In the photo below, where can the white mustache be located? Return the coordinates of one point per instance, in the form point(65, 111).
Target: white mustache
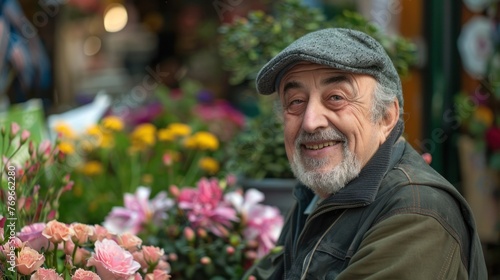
point(322, 135)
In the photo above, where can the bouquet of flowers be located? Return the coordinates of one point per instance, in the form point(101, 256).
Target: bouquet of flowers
point(34, 244)
point(56, 250)
point(211, 231)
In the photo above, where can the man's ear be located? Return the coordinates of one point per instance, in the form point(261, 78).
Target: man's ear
point(390, 118)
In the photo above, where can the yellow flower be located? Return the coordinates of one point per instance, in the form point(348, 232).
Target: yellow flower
point(113, 123)
point(92, 168)
point(485, 115)
point(173, 131)
point(208, 164)
point(94, 130)
point(64, 130)
point(106, 140)
point(191, 143)
point(206, 141)
point(143, 136)
point(166, 135)
point(179, 129)
point(66, 148)
point(202, 140)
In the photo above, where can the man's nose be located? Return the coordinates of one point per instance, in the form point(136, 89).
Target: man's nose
point(315, 116)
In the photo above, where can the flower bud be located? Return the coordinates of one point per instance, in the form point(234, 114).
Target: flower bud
point(31, 149)
point(24, 136)
point(189, 234)
point(252, 244)
point(173, 257)
point(230, 250)
point(205, 260)
point(251, 255)
point(234, 240)
point(174, 191)
point(14, 129)
point(277, 249)
point(202, 233)
point(167, 159)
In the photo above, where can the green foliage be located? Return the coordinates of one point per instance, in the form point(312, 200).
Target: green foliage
point(401, 51)
point(258, 151)
point(248, 43)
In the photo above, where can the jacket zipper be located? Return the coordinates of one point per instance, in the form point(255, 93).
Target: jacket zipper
point(309, 256)
point(316, 213)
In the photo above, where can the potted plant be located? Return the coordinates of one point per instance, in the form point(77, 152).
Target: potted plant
point(258, 156)
point(257, 153)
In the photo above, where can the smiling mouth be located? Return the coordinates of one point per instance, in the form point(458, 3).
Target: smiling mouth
point(321, 145)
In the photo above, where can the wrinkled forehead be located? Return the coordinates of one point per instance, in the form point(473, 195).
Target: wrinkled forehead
point(295, 71)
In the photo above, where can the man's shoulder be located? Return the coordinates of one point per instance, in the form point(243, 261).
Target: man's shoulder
point(415, 186)
point(412, 169)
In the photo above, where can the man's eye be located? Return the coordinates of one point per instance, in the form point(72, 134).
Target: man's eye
point(296, 102)
point(336, 98)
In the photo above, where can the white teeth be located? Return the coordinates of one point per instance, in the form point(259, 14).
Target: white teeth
point(320, 146)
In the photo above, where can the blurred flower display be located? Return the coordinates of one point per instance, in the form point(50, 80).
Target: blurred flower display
point(478, 112)
point(180, 140)
point(110, 160)
point(211, 231)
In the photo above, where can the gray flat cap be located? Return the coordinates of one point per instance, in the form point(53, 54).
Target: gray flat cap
point(344, 49)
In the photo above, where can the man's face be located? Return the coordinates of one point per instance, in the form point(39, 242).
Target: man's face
point(329, 131)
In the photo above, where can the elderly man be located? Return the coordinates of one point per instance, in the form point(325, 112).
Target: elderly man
point(368, 206)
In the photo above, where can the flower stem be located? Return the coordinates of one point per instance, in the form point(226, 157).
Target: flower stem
point(54, 257)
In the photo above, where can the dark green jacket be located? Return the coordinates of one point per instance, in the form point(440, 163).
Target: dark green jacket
point(398, 220)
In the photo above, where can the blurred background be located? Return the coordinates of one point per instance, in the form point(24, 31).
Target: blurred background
point(115, 57)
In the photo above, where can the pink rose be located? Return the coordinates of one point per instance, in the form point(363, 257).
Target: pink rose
point(57, 232)
point(163, 265)
point(33, 237)
point(100, 233)
point(82, 233)
point(46, 274)
point(112, 261)
point(81, 254)
point(139, 257)
point(152, 254)
point(5, 249)
point(157, 274)
point(28, 260)
point(81, 274)
point(129, 242)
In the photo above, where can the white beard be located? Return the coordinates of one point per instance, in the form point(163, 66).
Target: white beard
point(330, 181)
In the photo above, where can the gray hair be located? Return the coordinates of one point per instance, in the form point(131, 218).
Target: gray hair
point(383, 97)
